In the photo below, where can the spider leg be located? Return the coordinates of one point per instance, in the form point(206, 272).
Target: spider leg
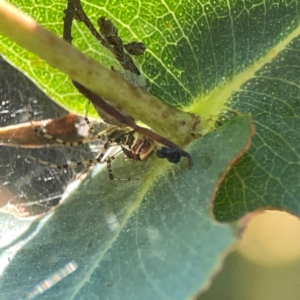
point(99, 160)
point(88, 121)
point(89, 162)
point(110, 171)
point(100, 136)
point(69, 165)
point(39, 131)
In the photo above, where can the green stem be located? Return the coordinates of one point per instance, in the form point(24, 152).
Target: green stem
point(166, 120)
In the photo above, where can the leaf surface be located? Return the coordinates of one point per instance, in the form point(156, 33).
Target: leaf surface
point(269, 174)
point(210, 58)
point(146, 239)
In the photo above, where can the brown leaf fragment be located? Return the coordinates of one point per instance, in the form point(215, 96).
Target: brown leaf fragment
point(69, 128)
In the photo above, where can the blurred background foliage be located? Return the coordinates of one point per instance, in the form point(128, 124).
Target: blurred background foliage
point(265, 264)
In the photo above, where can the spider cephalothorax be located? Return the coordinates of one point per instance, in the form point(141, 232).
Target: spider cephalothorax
point(136, 146)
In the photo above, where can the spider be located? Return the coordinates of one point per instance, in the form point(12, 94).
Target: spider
point(132, 145)
point(120, 139)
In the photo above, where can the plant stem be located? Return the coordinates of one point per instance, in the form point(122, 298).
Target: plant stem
point(166, 120)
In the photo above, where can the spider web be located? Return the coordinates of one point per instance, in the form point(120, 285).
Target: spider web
point(26, 186)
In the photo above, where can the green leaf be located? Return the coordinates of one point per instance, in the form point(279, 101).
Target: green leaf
point(192, 47)
point(210, 58)
point(152, 238)
point(268, 175)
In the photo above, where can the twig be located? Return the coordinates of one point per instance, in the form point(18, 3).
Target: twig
point(68, 20)
point(178, 125)
point(109, 38)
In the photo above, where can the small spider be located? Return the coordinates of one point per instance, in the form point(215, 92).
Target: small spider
point(120, 139)
point(131, 144)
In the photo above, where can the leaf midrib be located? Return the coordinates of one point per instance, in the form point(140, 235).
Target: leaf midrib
point(218, 99)
point(158, 168)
